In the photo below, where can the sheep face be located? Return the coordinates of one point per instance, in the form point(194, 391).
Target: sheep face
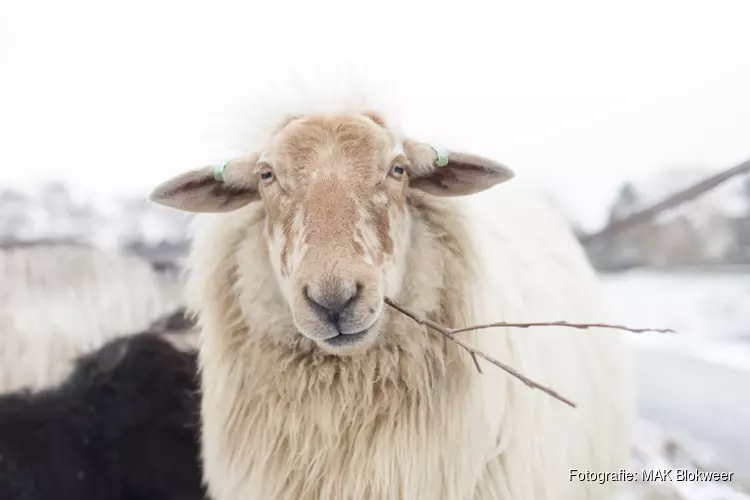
point(336, 223)
point(336, 191)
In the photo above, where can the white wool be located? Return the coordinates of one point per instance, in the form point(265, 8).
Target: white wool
point(532, 270)
point(417, 422)
point(59, 302)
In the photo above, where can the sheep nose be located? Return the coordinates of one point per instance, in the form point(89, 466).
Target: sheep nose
point(330, 302)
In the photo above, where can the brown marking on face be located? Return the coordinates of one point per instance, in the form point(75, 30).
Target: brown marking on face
point(383, 228)
point(287, 235)
point(331, 208)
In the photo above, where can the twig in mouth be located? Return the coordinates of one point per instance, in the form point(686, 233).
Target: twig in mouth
point(450, 334)
point(475, 352)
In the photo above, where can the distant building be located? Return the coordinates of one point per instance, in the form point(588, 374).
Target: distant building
point(713, 229)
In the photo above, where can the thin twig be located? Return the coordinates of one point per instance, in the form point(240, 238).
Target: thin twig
point(431, 324)
point(475, 352)
point(562, 323)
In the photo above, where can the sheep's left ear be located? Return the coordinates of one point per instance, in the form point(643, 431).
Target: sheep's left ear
point(450, 173)
point(211, 189)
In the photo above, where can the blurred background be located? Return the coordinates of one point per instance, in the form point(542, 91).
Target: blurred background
point(606, 107)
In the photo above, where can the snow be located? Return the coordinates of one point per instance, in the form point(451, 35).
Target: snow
point(710, 312)
point(56, 211)
point(660, 450)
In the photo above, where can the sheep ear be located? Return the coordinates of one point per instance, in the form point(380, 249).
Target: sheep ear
point(210, 189)
point(451, 173)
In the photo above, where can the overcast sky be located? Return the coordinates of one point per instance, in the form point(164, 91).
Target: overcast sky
point(115, 96)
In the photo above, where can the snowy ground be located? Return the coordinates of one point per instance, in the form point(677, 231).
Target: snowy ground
point(710, 311)
point(660, 449)
point(692, 383)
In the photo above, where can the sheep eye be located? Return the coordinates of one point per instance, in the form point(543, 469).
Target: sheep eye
point(397, 171)
point(266, 175)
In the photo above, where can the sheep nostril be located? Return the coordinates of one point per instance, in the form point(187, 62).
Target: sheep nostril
point(330, 305)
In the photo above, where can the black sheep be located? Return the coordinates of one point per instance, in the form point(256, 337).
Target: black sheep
point(123, 426)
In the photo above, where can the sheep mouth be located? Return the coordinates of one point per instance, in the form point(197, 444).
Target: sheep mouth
point(347, 339)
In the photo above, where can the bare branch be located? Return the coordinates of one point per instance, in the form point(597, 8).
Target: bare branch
point(475, 352)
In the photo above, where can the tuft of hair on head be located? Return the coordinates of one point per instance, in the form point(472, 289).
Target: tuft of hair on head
point(270, 106)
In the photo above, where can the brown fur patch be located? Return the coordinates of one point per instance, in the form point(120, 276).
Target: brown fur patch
point(333, 168)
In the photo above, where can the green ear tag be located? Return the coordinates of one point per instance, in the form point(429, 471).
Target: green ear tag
point(442, 157)
point(219, 172)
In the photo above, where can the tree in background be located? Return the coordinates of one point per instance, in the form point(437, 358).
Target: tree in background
point(626, 202)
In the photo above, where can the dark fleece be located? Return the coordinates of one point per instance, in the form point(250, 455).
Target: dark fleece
point(123, 426)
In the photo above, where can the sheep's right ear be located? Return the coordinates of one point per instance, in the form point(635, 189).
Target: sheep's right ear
point(210, 189)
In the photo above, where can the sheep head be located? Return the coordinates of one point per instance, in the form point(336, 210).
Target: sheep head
point(336, 191)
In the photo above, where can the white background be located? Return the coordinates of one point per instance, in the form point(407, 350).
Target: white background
point(115, 96)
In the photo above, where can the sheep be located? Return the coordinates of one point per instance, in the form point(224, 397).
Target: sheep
point(58, 301)
point(122, 426)
point(313, 389)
